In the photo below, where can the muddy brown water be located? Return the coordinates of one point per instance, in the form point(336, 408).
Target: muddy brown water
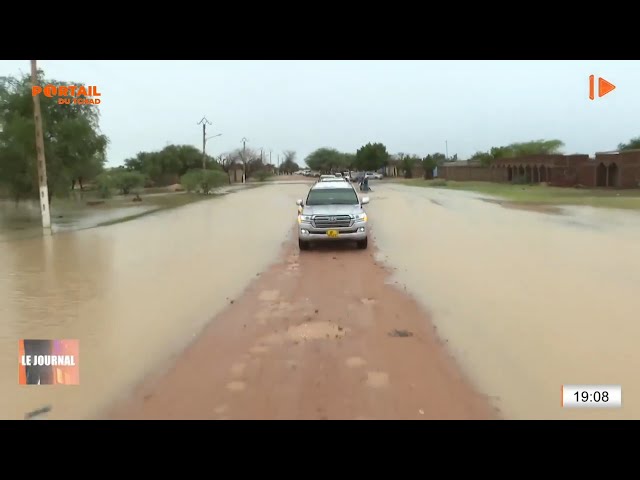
point(133, 293)
point(526, 301)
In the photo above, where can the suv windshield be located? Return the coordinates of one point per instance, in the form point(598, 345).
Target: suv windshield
point(332, 196)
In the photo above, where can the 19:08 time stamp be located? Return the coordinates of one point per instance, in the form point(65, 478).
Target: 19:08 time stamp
point(591, 396)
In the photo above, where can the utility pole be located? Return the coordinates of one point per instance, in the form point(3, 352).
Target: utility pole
point(42, 166)
point(446, 149)
point(204, 122)
point(244, 159)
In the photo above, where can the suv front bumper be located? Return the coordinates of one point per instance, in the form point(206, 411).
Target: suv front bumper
point(309, 233)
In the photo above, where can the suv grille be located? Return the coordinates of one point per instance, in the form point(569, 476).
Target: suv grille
point(332, 221)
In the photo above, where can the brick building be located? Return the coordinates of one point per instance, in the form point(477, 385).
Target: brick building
point(613, 169)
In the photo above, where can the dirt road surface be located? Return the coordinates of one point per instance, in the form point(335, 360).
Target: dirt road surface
point(320, 335)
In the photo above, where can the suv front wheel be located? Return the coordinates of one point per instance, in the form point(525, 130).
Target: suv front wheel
point(303, 245)
point(362, 244)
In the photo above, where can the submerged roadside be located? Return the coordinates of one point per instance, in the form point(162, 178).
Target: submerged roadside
point(23, 221)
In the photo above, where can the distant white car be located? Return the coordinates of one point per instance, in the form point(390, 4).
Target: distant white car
point(332, 179)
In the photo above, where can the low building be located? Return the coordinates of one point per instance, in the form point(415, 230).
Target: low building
point(236, 173)
point(610, 169)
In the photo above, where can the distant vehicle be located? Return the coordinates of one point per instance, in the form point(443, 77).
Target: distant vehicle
point(332, 179)
point(337, 175)
point(346, 176)
point(373, 175)
point(332, 212)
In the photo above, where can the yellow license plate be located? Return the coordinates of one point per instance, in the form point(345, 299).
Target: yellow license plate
point(333, 233)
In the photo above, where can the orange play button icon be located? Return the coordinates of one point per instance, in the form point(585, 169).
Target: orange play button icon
point(604, 87)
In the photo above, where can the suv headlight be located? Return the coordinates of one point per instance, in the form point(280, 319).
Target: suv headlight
point(361, 217)
point(304, 218)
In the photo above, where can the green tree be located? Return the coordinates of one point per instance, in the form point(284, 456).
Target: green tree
point(537, 147)
point(430, 162)
point(203, 181)
point(126, 181)
point(166, 166)
point(428, 165)
point(485, 158)
point(105, 184)
point(440, 158)
point(349, 161)
point(325, 160)
point(407, 164)
point(73, 145)
point(372, 156)
point(534, 147)
point(632, 144)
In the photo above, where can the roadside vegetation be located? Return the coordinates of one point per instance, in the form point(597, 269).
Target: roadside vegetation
point(540, 194)
point(370, 157)
point(79, 181)
point(78, 178)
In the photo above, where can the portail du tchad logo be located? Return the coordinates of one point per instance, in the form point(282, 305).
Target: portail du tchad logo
point(80, 95)
point(48, 362)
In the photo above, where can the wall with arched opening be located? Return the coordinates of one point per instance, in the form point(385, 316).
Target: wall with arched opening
point(601, 175)
point(613, 175)
point(621, 170)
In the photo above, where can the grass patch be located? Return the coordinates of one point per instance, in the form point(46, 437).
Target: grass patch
point(62, 205)
point(540, 195)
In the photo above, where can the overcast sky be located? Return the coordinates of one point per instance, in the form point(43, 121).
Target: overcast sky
point(410, 106)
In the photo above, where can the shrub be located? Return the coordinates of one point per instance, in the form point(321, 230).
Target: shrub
point(439, 183)
point(203, 181)
point(104, 184)
point(128, 182)
point(262, 175)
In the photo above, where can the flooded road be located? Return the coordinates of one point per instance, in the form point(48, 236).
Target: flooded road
point(528, 301)
point(525, 301)
point(318, 336)
point(133, 293)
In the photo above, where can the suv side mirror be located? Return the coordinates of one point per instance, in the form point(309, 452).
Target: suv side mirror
point(300, 203)
point(365, 200)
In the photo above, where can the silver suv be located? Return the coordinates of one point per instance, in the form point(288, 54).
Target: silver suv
point(332, 212)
